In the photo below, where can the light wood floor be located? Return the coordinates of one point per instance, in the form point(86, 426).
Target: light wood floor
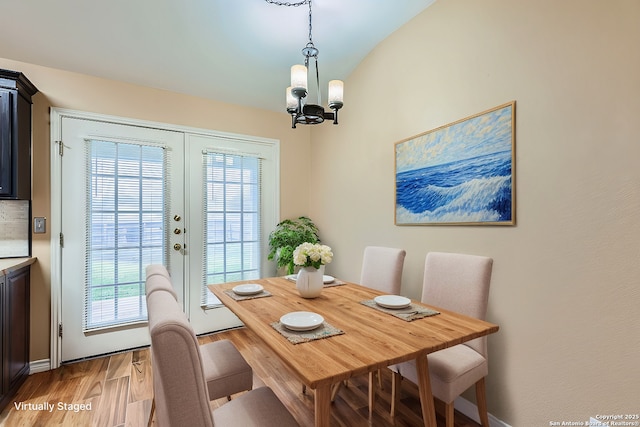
point(119, 390)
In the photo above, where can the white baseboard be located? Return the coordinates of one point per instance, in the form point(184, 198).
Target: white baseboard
point(470, 410)
point(39, 366)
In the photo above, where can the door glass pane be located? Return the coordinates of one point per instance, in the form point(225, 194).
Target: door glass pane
point(232, 214)
point(126, 214)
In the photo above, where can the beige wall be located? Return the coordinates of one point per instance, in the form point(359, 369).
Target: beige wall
point(80, 92)
point(565, 288)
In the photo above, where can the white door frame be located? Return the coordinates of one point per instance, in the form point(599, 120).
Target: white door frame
point(57, 114)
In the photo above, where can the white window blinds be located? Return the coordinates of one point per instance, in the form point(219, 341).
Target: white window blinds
point(126, 207)
point(232, 199)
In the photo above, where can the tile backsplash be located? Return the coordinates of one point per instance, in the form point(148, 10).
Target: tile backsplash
point(14, 228)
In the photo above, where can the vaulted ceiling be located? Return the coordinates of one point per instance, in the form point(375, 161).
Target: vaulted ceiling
point(236, 51)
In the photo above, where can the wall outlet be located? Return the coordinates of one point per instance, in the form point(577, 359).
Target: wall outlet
point(39, 225)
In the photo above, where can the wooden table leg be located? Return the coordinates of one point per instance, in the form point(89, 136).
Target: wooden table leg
point(372, 391)
point(322, 405)
point(426, 398)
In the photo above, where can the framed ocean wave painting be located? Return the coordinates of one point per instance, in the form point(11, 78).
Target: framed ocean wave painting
point(459, 174)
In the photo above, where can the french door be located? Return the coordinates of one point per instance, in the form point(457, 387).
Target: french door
point(122, 186)
point(133, 194)
point(232, 196)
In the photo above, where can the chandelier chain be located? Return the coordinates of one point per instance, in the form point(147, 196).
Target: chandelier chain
point(310, 38)
point(286, 3)
point(296, 4)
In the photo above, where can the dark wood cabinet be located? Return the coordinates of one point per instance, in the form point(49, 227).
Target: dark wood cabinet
point(14, 332)
point(15, 135)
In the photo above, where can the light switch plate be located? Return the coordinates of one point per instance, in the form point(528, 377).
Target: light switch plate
point(39, 225)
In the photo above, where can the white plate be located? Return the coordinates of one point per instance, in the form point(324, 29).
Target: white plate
point(301, 320)
point(328, 279)
point(248, 289)
point(392, 301)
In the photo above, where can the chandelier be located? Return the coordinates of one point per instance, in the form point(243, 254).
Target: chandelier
point(301, 111)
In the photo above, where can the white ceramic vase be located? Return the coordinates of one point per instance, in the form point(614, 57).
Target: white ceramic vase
point(309, 281)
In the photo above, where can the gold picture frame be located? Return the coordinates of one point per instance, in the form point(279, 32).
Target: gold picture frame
point(462, 173)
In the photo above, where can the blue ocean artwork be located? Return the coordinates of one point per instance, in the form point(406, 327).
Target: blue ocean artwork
point(461, 173)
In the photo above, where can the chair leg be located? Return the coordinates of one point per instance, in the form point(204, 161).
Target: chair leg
point(153, 409)
point(449, 415)
point(336, 388)
point(396, 379)
point(379, 379)
point(304, 389)
point(372, 392)
point(481, 399)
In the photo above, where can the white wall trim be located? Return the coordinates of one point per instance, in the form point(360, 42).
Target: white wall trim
point(470, 410)
point(56, 116)
point(55, 226)
point(39, 366)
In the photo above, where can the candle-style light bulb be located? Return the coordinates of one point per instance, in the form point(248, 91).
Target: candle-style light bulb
point(292, 102)
point(336, 94)
point(299, 77)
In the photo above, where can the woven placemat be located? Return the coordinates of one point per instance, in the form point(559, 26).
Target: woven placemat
point(408, 314)
point(336, 282)
point(296, 337)
point(243, 297)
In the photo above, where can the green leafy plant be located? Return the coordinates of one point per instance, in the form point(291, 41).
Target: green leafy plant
point(287, 236)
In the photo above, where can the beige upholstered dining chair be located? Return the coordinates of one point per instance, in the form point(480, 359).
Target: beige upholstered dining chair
point(459, 283)
point(158, 279)
point(226, 372)
point(179, 383)
point(381, 270)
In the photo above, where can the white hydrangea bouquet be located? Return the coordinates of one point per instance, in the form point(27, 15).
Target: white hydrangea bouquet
point(312, 255)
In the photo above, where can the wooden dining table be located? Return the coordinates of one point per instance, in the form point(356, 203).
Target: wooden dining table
point(372, 339)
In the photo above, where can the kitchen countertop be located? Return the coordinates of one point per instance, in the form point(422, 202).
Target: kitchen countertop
point(8, 265)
